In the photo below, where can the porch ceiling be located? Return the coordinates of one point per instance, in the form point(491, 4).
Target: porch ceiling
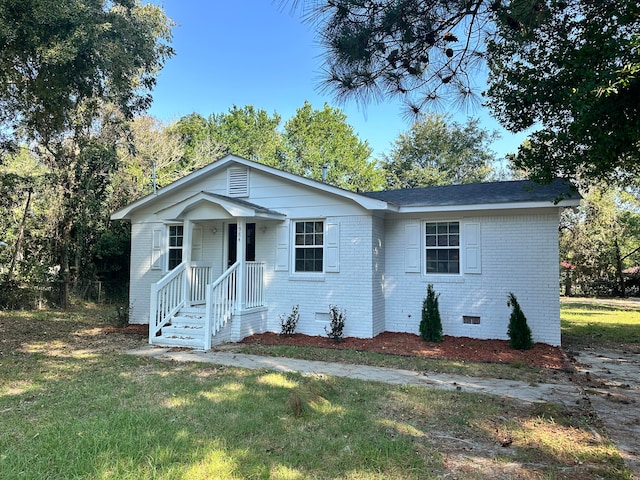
point(211, 206)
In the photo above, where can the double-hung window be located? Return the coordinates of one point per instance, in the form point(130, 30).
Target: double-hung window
point(442, 247)
point(176, 236)
point(309, 246)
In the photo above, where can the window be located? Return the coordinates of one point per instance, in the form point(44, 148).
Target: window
point(176, 233)
point(443, 247)
point(309, 246)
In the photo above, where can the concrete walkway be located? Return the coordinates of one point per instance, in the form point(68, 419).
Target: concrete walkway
point(556, 393)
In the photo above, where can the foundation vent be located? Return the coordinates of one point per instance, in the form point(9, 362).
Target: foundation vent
point(470, 320)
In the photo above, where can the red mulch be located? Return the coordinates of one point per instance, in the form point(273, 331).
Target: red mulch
point(452, 348)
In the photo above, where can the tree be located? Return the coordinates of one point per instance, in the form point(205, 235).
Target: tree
point(152, 147)
point(414, 49)
point(569, 67)
point(61, 61)
point(322, 138)
point(72, 73)
point(600, 239)
point(437, 152)
point(518, 331)
point(431, 324)
point(249, 133)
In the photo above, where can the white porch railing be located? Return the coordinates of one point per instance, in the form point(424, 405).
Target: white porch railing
point(167, 298)
point(221, 303)
point(200, 278)
point(254, 294)
point(221, 297)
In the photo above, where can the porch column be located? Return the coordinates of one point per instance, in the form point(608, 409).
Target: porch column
point(241, 243)
point(187, 234)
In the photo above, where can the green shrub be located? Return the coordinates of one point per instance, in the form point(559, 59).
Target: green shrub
point(431, 324)
point(518, 331)
point(337, 318)
point(288, 323)
point(120, 318)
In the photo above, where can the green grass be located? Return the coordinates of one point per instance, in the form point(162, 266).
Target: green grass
point(71, 410)
point(585, 323)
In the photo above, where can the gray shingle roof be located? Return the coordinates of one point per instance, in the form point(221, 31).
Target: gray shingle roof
point(479, 193)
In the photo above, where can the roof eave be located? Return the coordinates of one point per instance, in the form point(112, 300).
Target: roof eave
point(487, 206)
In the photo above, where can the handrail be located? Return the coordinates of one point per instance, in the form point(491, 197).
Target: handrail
point(221, 303)
point(200, 278)
point(167, 297)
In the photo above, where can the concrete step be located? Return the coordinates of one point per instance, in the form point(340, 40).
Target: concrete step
point(184, 321)
point(178, 341)
point(182, 329)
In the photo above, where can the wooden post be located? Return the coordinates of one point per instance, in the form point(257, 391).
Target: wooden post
point(241, 257)
point(186, 259)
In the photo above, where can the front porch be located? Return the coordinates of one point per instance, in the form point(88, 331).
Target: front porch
point(189, 309)
point(189, 306)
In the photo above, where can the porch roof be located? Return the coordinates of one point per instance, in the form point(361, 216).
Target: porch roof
point(208, 206)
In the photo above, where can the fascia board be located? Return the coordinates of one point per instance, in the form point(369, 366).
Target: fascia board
point(488, 206)
point(365, 202)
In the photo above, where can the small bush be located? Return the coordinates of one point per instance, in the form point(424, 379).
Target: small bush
point(337, 318)
point(518, 331)
point(288, 323)
point(121, 317)
point(431, 324)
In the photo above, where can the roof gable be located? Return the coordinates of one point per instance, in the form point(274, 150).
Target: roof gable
point(231, 160)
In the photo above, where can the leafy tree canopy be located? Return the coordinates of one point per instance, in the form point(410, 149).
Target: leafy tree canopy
point(311, 139)
point(436, 151)
point(62, 59)
point(322, 138)
point(567, 67)
point(572, 70)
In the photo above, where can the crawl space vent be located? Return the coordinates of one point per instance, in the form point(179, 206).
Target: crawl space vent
point(470, 320)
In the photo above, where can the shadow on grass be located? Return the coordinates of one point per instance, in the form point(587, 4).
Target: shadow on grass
point(116, 416)
point(70, 409)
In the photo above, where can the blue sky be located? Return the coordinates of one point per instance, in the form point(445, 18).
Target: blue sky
point(251, 52)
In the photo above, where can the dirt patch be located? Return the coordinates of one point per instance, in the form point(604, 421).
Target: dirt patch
point(451, 348)
point(63, 333)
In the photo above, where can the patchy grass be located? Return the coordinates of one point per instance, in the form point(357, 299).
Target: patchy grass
point(586, 323)
point(73, 406)
point(516, 371)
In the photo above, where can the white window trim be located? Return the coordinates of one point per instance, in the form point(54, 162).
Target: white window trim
point(423, 258)
point(167, 247)
point(294, 247)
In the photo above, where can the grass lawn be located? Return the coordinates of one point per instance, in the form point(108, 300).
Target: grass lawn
point(587, 322)
point(72, 406)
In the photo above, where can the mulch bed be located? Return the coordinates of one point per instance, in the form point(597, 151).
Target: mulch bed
point(451, 348)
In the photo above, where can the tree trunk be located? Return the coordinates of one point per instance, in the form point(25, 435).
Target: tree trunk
point(620, 276)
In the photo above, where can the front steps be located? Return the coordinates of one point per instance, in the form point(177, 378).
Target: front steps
point(186, 330)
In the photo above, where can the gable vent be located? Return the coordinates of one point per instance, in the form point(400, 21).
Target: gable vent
point(238, 182)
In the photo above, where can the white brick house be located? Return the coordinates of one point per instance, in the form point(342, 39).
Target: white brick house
point(222, 253)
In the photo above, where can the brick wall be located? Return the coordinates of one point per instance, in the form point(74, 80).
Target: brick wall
point(519, 254)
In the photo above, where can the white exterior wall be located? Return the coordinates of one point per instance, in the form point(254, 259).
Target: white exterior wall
point(378, 275)
point(349, 289)
point(519, 254)
point(141, 275)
